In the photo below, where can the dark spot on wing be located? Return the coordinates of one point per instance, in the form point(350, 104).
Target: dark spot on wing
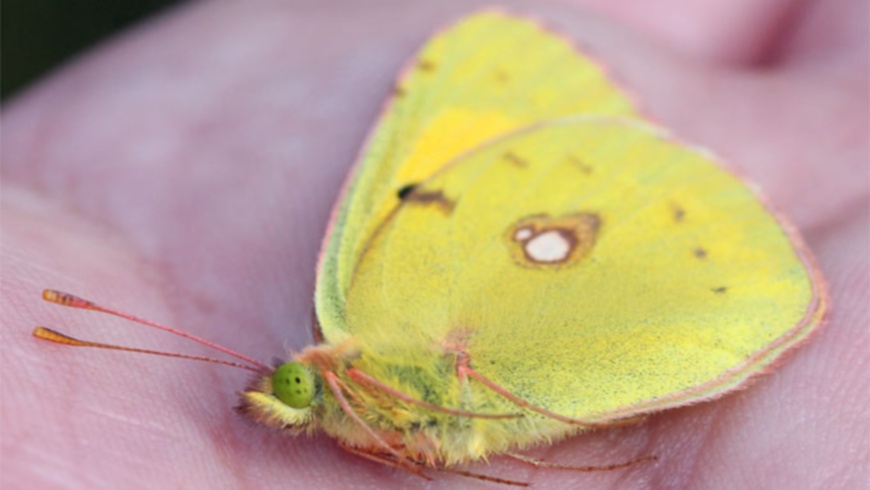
point(585, 168)
point(700, 253)
point(405, 191)
point(678, 213)
point(515, 160)
point(424, 197)
point(398, 91)
point(719, 290)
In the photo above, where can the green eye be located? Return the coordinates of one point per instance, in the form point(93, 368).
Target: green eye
point(293, 384)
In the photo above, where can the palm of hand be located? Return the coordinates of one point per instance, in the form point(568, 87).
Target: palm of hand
point(194, 162)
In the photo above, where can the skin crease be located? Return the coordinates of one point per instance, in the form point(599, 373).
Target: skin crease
point(185, 172)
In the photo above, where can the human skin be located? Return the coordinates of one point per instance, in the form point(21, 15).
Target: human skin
point(186, 170)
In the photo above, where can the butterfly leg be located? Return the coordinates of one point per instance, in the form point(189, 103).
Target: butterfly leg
point(478, 476)
point(537, 463)
point(388, 459)
point(416, 467)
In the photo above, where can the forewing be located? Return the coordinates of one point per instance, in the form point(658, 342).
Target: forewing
point(483, 77)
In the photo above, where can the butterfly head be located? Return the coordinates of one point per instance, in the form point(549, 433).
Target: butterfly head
point(284, 398)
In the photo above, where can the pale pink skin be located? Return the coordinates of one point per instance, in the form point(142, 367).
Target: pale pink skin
point(185, 172)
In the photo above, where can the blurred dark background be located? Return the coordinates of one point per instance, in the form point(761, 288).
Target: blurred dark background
point(38, 35)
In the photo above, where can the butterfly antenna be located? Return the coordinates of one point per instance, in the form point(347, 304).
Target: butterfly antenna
point(59, 338)
point(72, 301)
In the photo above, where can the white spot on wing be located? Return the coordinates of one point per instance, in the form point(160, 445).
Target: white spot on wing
point(523, 234)
point(549, 246)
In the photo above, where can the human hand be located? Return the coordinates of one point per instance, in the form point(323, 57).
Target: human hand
point(185, 172)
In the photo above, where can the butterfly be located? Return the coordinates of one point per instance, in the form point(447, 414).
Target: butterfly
point(518, 257)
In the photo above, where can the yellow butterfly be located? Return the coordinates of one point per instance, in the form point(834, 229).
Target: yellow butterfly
point(495, 253)
point(518, 257)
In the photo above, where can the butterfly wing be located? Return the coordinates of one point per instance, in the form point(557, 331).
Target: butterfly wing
point(487, 75)
point(595, 268)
